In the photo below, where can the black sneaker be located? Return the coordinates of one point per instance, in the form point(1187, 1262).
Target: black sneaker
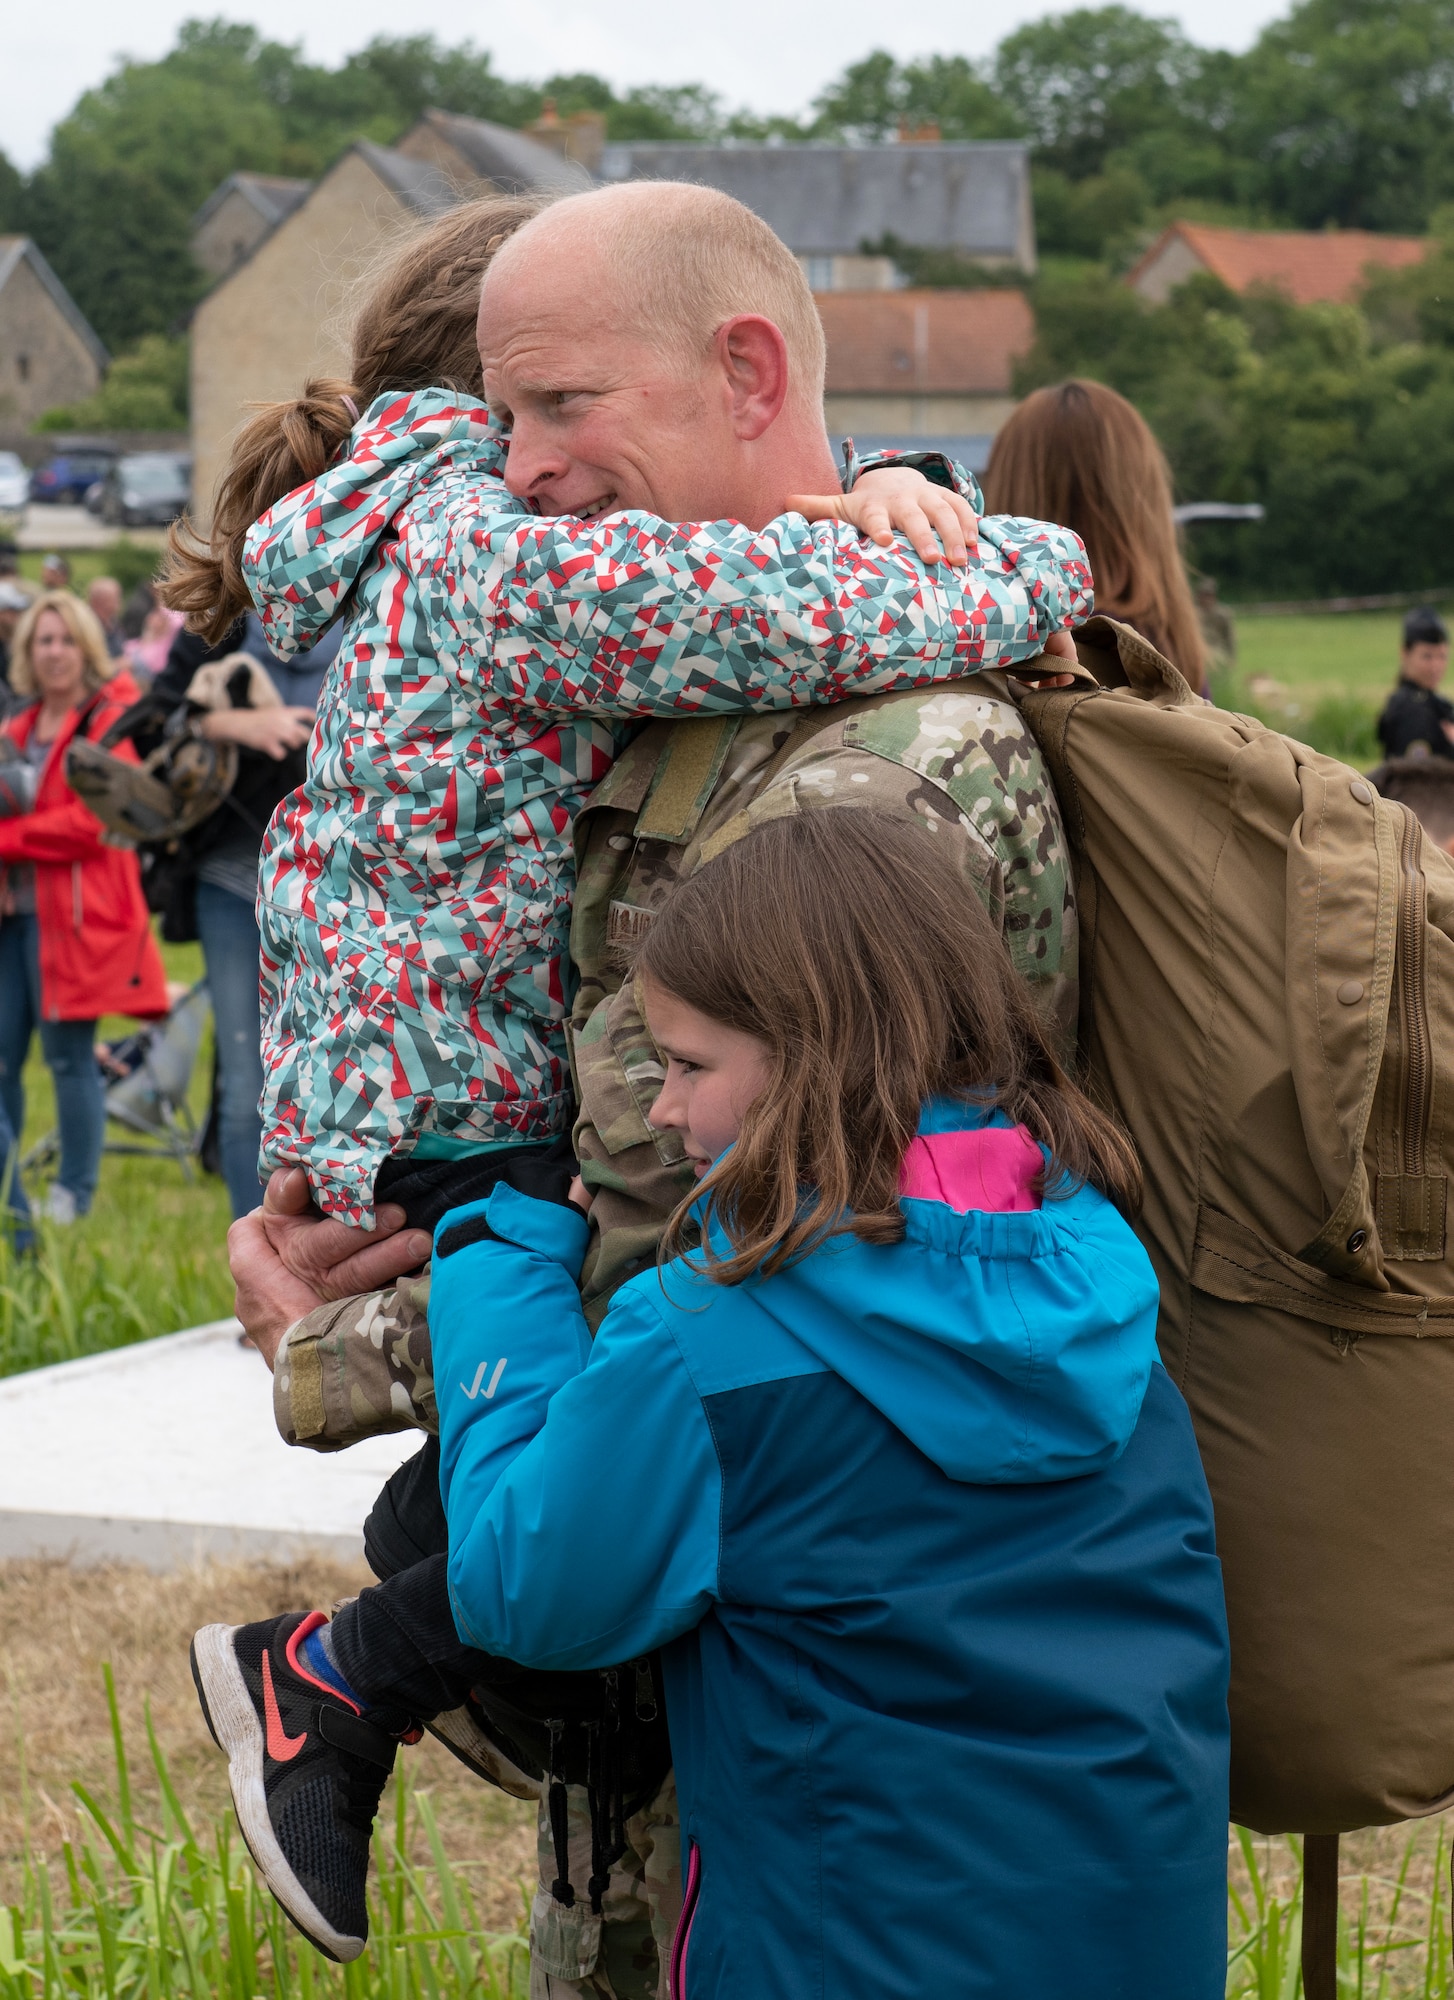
point(306, 1768)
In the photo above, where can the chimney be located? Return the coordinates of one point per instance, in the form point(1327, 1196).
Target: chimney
point(586, 139)
point(581, 137)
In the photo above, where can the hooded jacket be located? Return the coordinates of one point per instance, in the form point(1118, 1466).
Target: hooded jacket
point(97, 953)
point(924, 1533)
point(415, 890)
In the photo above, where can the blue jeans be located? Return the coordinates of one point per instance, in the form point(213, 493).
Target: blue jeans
point(70, 1055)
point(231, 947)
point(16, 1208)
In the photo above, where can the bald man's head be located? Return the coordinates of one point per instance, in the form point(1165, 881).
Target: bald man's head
point(655, 346)
point(674, 262)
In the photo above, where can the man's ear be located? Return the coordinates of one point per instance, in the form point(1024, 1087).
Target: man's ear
point(753, 357)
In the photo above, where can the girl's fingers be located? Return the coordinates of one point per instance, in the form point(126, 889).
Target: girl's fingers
point(956, 522)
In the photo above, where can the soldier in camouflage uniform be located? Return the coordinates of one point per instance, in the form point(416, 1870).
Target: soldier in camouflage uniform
point(957, 756)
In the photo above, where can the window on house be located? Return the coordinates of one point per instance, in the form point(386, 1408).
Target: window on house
point(820, 273)
point(22, 366)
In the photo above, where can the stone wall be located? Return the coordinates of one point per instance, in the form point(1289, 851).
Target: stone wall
point(284, 315)
point(43, 360)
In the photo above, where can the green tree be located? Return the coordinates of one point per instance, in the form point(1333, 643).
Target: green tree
point(12, 198)
point(873, 98)
point(1348, 445)
point(1346, 111)
point(1089, 84)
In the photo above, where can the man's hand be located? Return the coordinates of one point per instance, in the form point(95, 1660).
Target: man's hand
point(897, 500)
point(269, 1298)
point(1059, 646)
point(332, 1260)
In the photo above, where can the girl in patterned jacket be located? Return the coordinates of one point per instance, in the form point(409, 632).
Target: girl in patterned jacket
point(414, 892)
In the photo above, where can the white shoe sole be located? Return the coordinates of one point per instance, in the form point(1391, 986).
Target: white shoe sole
point(230, 1715)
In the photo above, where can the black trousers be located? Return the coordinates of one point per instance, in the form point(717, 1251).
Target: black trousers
point(396, 1643)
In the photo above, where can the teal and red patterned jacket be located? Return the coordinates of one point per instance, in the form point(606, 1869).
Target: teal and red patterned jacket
point(415, 892)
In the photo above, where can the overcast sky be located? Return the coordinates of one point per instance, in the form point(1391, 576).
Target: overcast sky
point(771, 54)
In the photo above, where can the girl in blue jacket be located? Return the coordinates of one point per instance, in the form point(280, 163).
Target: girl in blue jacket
point(918, 1516)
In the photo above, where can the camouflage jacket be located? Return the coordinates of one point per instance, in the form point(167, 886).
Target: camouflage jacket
point(415, 891)
point(958, 756)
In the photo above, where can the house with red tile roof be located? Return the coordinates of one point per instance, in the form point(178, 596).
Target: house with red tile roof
point(920, 368)
point(1308, 265)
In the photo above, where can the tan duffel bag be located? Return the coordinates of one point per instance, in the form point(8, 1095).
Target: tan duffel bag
point(1267, 1002)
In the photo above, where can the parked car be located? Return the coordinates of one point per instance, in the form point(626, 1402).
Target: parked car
point(146, 489)
point(63, 478)
point(14, 490)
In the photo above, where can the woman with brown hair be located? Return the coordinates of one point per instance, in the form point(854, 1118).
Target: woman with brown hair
point(75, 940)
point(1080, 454)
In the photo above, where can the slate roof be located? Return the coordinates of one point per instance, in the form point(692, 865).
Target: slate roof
point(1324, 264)
point(830, 200)
point(272, 195)
point(924, 342)
point(513, 161)
point(418, 185)
point(18, 250)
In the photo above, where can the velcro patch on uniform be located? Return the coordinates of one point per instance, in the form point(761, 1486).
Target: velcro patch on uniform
point(626, 925)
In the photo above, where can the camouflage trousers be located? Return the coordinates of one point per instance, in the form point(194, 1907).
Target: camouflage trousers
point(625, 1952)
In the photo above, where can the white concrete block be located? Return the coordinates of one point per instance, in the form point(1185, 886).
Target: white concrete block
point(166, 1452)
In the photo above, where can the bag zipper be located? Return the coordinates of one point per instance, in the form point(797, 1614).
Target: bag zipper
point(1413, 1004)
point(677, 1985)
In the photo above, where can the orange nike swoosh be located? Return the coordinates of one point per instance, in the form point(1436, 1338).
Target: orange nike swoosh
point(281, 1746)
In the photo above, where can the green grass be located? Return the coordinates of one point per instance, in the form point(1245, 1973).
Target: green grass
point(173, 1912)
point(1320, 679)
point(150, 1258)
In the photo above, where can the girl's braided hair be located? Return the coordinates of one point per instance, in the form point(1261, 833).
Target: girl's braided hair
point(414, 329)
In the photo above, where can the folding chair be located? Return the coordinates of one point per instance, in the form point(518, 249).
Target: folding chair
point(150, 1074)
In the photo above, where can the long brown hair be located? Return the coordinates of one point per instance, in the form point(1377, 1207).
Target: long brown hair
point(1082, 455)
point(847, 942)
point(414, 328)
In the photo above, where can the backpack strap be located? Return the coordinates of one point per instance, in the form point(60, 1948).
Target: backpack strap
point(1320, 1916)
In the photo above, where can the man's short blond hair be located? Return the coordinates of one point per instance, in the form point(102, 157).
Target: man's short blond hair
point(689, 258)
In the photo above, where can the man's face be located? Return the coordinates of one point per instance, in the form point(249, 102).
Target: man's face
point(601, 420)
point(1424, 665)
point(104, 597)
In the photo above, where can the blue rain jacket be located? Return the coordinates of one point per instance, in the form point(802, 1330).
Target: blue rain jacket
point(923, 1531)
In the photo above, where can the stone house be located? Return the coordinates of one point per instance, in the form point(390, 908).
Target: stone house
point(239, 215)
point(1309, 265)
point(48, 353)
point(280, 314)
point(828, 202)
point(904, 366)
point(920, 368)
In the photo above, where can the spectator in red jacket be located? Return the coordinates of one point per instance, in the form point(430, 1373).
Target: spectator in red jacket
point(75, 940)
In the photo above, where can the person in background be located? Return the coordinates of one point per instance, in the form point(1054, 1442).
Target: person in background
point(104, 598)
point(1082, 455)
point(14, 602)
point(14, 1208)
point(55, 573)
point(218, 896)
point(75, 940)
point(1219, 627)
point(1417, 721)
point(147, 654)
